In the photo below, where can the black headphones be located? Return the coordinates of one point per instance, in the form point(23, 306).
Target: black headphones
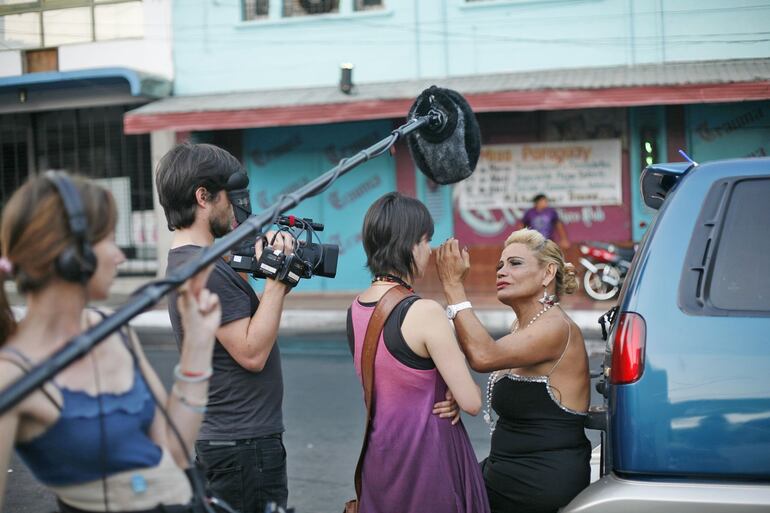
point(77, 263)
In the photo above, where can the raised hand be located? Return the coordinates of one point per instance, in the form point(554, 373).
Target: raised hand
point(452, 263)
point(200, 311)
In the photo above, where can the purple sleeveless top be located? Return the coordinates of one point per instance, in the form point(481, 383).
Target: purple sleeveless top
point(416, 462)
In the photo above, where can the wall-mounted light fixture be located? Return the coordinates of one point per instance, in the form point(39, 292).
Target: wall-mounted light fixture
point(346, 77)
point(22, 96)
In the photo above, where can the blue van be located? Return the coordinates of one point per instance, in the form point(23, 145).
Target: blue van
point(686, 379)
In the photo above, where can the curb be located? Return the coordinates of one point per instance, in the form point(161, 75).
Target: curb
point(309, 321)
point(298, 322)
point(325, 323)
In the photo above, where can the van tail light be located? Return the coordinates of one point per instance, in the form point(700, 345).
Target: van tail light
point(628, 349)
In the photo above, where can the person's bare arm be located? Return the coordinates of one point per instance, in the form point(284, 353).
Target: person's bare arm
point(249, 340)
point(563, 239)
point(426, 318)
point(186, 401)
point(9, 423)
point(484, 354)
point(521, 349)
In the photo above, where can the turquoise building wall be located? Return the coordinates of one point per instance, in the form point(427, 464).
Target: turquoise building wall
point(214, 51)
point(279, 160)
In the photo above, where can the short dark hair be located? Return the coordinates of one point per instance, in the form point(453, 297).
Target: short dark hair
point(392, 226)
point(539, 197)
point(182, 170)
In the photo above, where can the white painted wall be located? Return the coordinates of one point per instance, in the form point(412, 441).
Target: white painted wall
point(137, 54)
point(10, 63)
point(161, 142)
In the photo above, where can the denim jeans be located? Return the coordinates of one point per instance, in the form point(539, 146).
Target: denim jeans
point(246, 473)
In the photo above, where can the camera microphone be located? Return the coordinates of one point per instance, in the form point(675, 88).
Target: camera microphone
point(446, 149)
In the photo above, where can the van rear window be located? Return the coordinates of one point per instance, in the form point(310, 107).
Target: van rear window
point(740, 277)
point(727, 267)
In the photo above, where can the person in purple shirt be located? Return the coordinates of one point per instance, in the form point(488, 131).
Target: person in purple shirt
point(545, 220)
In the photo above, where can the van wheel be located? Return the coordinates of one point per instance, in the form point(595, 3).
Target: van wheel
point(598, 288)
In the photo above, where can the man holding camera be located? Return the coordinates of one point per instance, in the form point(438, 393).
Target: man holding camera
point(240, 441)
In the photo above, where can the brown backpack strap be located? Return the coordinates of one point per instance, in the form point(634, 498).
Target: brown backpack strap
point(382, 311)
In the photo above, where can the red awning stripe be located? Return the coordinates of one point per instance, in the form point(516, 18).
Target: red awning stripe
point(506, 101)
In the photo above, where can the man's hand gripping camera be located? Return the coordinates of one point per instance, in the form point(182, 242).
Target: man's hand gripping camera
point(307, 260)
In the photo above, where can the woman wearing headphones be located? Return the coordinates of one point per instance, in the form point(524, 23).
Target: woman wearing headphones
point(93, 434)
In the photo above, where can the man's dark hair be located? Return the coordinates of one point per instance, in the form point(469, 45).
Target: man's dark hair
point(539, 197)
point(392, 226)
point(182, 170)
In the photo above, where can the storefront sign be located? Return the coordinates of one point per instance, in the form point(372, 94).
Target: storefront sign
point(573, 173)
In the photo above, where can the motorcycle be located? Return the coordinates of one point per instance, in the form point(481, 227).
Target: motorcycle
point(606, 266)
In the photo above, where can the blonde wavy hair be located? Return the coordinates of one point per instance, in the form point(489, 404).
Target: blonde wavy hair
point(547, 252)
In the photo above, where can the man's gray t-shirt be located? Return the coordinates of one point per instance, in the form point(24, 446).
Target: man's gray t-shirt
point(242, 404)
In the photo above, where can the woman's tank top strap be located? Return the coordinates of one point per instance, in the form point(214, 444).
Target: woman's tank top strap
point(569, 337)
point(24, 358)
point(25, 365)
point(123, 333)
point(394, 340)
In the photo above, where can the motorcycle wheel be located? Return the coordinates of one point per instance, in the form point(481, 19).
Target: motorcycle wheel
point(597, 288)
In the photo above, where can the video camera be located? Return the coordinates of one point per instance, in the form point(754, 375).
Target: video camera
point(309, 259)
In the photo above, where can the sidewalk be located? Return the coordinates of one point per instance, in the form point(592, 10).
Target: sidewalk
point(325, 313)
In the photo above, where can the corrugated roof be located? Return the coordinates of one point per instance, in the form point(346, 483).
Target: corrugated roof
point(643, 75)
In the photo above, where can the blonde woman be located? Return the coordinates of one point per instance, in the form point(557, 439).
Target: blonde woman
point(539, 382)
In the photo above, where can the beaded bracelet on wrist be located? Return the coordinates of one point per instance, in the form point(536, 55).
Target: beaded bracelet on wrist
point(191, 377)
point(199, 407)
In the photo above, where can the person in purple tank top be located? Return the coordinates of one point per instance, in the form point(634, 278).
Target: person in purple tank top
point(416, 462)
point(545, 220)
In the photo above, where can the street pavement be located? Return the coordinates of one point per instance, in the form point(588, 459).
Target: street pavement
point(323, 415)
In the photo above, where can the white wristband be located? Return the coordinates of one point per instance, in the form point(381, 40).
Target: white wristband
point(453, 310)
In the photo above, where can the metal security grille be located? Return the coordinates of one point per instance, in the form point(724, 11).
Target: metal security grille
point(307, 7)
point(89, 142)
point(14, 153)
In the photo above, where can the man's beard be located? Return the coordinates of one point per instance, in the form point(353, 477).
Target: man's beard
point(220, 227)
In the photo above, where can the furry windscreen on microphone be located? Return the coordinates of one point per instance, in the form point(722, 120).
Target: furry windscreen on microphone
point(446, 153)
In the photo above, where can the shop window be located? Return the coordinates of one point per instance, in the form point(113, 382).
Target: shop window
point(50, 23)
point(65, 26)
point(20, 31)
point(293, 8)
point(118, 21)
point(260, 9)
point(255, 9)
point(368, 5)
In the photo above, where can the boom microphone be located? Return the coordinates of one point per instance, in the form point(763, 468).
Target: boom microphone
point(444, 140)
point(448, 148)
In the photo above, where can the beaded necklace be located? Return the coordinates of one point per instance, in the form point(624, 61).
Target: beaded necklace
point(391, 278)
point(493, 376)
